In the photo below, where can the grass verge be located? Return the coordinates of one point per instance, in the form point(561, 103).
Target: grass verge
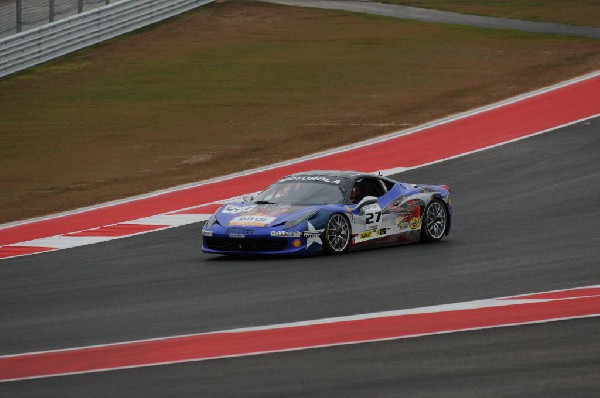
point(237, 85)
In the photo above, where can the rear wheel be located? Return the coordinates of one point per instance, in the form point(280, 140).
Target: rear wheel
point(435, 221)
point(337, 234)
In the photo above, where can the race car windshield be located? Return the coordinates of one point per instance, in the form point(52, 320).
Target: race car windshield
point(302, 193)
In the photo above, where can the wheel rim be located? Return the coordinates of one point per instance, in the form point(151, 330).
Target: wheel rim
point(436, 220)
point(338, 232)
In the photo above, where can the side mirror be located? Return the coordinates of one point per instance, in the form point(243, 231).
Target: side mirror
point(367, 200)
point(248, 198)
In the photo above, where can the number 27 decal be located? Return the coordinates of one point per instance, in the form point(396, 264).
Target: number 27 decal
point(373, 217)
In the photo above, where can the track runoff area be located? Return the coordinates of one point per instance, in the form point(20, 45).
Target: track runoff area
point(529, 115)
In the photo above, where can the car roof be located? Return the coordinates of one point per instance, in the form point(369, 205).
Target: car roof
point(330, 173)
point(350, 174)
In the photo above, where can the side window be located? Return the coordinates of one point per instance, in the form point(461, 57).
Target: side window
point(366, 187)
point(388, 185)
point(375, 188)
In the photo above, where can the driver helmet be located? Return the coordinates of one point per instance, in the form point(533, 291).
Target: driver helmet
point(355, 194)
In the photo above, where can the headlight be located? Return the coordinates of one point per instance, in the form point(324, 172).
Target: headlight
point(211, 221)
point(292, 223)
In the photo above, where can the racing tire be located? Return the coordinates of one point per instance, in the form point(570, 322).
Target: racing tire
point(337, 235)
point(434, 222)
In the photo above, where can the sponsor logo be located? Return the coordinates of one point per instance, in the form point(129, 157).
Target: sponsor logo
point(310, 178)
point(415, 223)
point(255, 221)
point(372, 234)
point(366, 235)
point(374, 207)
point(233, 209)
point(403, 225)
point(382, 232)
point(286, 234)
point(312, 235)
point(239, 233)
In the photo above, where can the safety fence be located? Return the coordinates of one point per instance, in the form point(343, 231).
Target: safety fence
point(51, 40)
point(20, 15)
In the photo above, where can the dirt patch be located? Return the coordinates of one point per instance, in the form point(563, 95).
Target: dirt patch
point(237, 85)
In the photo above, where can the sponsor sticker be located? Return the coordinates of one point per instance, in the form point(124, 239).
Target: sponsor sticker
point(286, 234)
point(371, 208)
point(415, 223)
point(310, 178)
point(254, 221)
point(382, 232)
point(372, 234)
point(233, 209)
point(239, 233)
point(366, 235)
point(313, 235)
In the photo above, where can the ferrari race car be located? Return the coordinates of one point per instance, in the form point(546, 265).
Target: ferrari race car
point(329, 211)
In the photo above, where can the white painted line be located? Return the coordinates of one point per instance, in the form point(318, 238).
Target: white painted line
point(171, 220)
point(389, 172)
point(64, 242)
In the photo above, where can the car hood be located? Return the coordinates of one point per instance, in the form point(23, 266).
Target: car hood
point(253, 215)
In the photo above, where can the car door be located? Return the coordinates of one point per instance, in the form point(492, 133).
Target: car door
point(369, 221)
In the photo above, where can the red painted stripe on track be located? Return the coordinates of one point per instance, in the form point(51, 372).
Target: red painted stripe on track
point(519, 119)
point(11, 251)
point(239, 343)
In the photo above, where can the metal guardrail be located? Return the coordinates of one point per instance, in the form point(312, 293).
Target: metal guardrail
point(33, 47)
point(21, 15)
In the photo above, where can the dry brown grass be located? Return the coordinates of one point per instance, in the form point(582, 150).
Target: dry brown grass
point(238, 85)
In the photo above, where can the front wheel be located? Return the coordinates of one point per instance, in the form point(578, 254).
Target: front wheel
point(435, 221)
point(337, 234)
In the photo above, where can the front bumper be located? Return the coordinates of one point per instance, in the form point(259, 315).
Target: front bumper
point(257, 241)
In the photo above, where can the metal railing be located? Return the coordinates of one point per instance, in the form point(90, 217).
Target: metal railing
point(20, 15)
point(52, 40)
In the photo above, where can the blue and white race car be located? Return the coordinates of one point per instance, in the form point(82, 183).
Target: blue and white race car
point(329, 211)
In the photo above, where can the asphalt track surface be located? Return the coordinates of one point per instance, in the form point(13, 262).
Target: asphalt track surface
point(525, 221)
point(437, 16)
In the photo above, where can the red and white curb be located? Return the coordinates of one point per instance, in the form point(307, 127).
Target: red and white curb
point(525, 116)
point(380, 326)
point(110, 232)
